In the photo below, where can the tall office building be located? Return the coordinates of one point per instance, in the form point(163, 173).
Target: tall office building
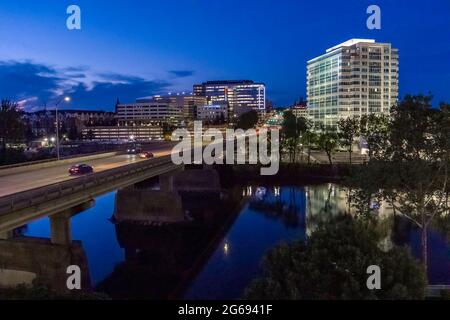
point(240, 95)
point(354, 78)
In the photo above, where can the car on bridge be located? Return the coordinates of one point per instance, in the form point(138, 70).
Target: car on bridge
point(80, 169)
point(134, 150)
point(146, 155)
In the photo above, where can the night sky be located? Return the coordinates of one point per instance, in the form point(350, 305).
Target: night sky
point(130, 49)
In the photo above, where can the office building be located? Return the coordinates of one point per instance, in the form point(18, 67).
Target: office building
point(123, 133)
point(299, 109)
point(43, 123)
point(150, 112)
point(240, 95)
point(355, 78)
point(187, 104)
point(213, 113)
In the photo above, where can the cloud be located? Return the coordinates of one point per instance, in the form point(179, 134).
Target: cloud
point(35, 85)
point(182, 73)
point(117, 77)
point(76, 69)
point(24, 80)
point(103, 95)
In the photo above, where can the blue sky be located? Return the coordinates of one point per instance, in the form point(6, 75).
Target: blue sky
point(129, 49)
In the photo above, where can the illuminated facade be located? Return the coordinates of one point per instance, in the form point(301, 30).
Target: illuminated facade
point(116, 133)
point(186, 103)
point(240, 95)
point(213, 112)
point(147, 113)
point(355, 78)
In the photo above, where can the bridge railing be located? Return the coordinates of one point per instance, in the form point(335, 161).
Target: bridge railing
point(21, 168)
point(37, 196)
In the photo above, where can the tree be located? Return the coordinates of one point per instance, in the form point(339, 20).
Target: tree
point(327, 141)
point(247, 120)
point(28, 132)
point(333, 264)
point(411, 169)
point(416, 163)
point(374, 129)
point(222, 118)
point(348, 131)
point(90, 135)
point(12, 128)
point(309, 139)
point(292, 129)
point(73, 133)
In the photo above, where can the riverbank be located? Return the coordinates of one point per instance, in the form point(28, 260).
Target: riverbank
point(289, 173)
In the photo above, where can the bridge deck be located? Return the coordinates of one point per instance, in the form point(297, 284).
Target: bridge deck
point(39, 177)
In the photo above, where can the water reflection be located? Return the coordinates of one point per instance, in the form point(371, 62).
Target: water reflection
point(167, 234)
point(185, 236)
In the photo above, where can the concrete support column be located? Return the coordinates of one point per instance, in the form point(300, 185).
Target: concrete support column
point(6, 235)
point(60, 224)
point(61, 231)
point(166, 179)
point(166, 182)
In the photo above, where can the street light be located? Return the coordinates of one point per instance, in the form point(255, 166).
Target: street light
point(65, 99)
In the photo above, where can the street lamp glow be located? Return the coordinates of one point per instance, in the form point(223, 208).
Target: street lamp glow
point(65, 99)
point(226, 248)
point(52, 139)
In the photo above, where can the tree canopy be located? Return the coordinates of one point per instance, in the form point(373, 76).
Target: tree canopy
point(410, 166)
point(333, 264)
point(247, 120)
point(12, 128)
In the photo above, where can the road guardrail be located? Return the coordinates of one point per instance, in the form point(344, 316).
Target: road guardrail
point(37, 196)
point(15, 169)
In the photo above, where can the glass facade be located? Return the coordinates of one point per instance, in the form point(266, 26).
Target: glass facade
point(240, 95)
point(355, 78)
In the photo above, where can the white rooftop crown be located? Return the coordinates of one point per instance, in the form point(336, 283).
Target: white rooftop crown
point(349, 43)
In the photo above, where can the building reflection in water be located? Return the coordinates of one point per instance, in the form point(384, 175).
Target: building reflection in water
point(286, 204)
point(168, 234)
point(329, 200)
point(182, 235)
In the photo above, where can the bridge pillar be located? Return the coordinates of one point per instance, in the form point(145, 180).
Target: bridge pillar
point(60, 224)
point(6, 235)
point(166, 180)
point(60, 229)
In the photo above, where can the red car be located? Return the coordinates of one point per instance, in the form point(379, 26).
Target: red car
point(146, 155)
point(80, 169)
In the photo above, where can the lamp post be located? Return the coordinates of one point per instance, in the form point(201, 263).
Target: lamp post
point(66, 99)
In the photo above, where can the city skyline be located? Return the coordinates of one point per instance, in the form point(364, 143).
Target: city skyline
point(117, 55)
point(210, 154)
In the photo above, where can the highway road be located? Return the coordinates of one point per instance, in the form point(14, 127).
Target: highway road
point(40, 177)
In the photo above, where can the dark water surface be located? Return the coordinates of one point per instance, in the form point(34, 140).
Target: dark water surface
point(207, 245)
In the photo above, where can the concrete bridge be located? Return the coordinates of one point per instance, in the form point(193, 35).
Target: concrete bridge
point(60, 192)
point(26, 259)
